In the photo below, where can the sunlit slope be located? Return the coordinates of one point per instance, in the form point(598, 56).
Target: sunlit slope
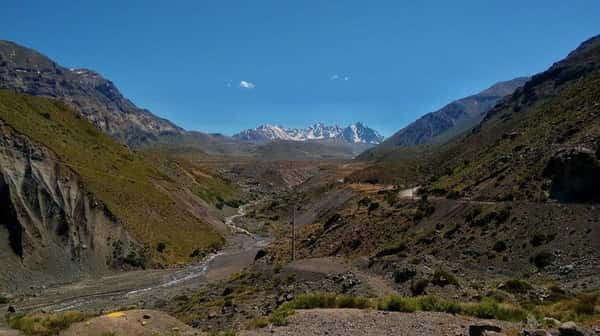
point(127, 182)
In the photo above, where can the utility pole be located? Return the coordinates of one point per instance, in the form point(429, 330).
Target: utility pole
point(294, 233)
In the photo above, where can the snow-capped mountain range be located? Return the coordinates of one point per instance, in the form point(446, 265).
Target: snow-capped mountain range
point(357, 133)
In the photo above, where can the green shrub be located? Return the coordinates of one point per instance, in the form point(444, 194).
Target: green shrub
point(586, 304)
point(3, 300)
point(280, 315)
point(491, 309)
point(398, 304)
point(260, 322)
point(328, 300)
point(45, 325)
point(499, 246)
point(317, 300)
point(425, 209)
point(543, 259)
point(349, 301)
point(418, 287)
point(403, 275)
point(442, 278)
point(434, 303)
point(395, 249)
point(515, 286)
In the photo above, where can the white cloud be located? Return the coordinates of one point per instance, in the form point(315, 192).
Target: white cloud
point(335, 77)
point(247, 85)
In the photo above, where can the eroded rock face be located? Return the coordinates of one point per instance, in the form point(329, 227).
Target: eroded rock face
point(575, 174)
point(51, 228)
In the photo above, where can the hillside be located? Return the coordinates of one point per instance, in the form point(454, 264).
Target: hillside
point(506, 213)
point(451, 120)
point(541, 143)
point(144, 195)
point(86, 91)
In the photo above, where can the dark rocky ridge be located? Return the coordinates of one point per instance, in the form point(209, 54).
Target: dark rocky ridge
point(98, 99)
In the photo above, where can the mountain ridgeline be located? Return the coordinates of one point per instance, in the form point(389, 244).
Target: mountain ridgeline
point(441, 125)
point(96, 98)
point(542, 142)
point(357, 133)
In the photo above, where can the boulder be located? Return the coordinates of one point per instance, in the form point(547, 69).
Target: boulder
point(260, 254)
point(481, 329)
point(574, 173)
point(551, 321)
point(570, 329)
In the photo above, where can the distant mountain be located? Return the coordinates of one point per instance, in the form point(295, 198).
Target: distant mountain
point(454, 117)
point(96, 98)
point(357, 133)
point(540, 143)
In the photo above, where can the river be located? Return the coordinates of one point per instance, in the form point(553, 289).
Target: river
point(149, 287)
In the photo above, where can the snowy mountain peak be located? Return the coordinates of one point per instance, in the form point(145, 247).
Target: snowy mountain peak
point(357, 133)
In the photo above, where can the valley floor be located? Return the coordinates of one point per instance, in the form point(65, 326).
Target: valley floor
point(232, 289)
point(343, 322)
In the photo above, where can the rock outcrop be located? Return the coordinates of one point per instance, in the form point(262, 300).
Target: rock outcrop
point(574, 173)
point(54, 229)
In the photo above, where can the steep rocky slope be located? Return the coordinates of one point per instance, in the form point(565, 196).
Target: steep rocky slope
point(76, 200)
point(54, 228)
point(540, 143)
point(96, 98)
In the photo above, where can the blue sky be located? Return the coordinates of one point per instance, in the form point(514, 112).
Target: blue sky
point(186, 60)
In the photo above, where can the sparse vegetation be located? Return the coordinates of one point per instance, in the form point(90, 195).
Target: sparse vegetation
point(398, 304)
point(585, 306)
point(516, 286)
point(499, 246)
point(45, 324)
point(491, 309)
point(418, 287)
point(443, 278)
point(487, 308)
point(424, 209)
point(392, 249)
point(543, 259)
point(125, 181)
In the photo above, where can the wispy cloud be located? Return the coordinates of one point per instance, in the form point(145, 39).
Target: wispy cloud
point(247, 85)
point(335, 77)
